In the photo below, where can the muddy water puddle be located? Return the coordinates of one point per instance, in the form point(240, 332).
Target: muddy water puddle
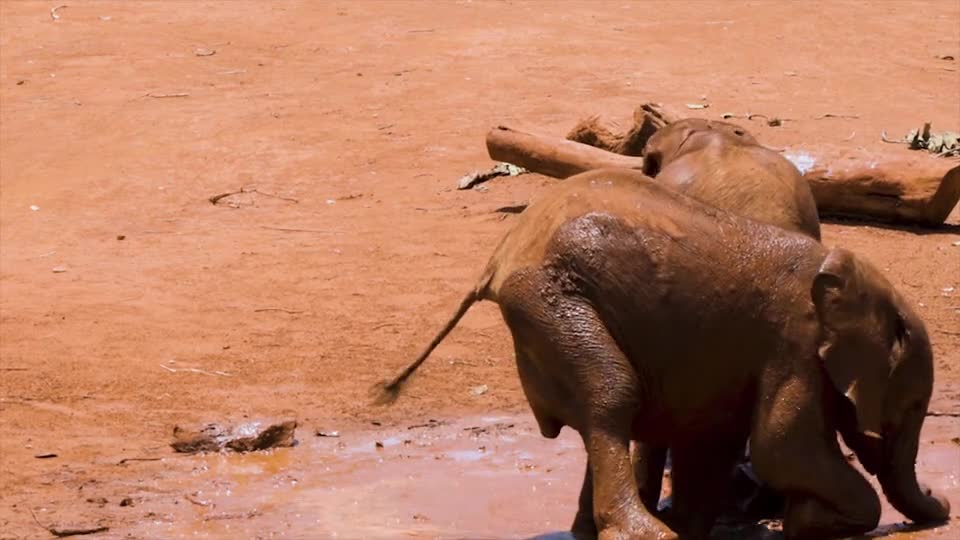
point(485, 477)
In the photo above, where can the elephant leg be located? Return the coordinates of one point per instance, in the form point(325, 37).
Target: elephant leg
point(584, 527)
point(607, 385)
point(701, 484)
point(800, 457)
point(810, 518)
point(617, 509)
point(648, 464)
point(591, 386)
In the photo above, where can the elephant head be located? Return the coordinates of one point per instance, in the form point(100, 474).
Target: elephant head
point(687, 135)
point(876, 352)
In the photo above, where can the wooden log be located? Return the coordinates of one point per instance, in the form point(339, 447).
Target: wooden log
point(894, 187)
point(906, 187)
point(552, 156)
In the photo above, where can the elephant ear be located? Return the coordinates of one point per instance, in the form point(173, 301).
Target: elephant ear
point(855, 357)
point(651, 162)
point(665, 146)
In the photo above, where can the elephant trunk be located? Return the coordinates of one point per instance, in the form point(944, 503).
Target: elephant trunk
point(898, 476)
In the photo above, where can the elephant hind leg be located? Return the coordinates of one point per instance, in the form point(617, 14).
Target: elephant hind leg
point(577, 371)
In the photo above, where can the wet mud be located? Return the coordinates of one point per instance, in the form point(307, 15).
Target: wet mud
point(482, 477)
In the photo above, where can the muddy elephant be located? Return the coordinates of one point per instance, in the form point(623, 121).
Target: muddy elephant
point(638, 313)
point(723, 165)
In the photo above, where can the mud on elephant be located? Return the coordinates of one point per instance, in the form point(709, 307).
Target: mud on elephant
point(640, 314)
point(723, 165)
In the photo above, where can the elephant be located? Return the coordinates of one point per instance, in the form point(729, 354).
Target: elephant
point(638, 313)
point(721, 164)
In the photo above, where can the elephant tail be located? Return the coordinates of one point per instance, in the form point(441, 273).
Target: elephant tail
point(386, 392)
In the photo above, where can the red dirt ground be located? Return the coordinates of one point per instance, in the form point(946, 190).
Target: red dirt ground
point(365, 113)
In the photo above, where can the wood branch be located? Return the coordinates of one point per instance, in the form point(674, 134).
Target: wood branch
point(552, 156)
point(894, 187)
point(906, 187)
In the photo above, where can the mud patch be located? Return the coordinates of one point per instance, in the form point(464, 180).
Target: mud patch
point(483, 477)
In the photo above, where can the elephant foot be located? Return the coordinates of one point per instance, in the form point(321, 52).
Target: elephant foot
point(808, 518)
point(639, 529)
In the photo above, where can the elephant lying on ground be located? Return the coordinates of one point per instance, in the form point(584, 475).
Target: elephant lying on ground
point(719, 163)
point(723, 165)
point(639, 313)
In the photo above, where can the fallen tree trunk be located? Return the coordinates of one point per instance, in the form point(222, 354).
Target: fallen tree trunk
point(898, 187)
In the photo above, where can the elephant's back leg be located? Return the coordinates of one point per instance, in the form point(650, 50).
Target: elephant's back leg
point(573, 373)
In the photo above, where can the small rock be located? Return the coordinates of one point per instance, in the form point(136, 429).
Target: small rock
point(127, 501)
point(479, 390)
point(34, 207)
point(20, 82)
point(121, 237)
point(204, 52)
point(956, 244)
point(420, 517)
point(105, 17)
point(243, 438)
point(327, 433)
point(46, 456)
point(331, 201)
point(378, 445)
point(98, 500)
point(59, 269)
